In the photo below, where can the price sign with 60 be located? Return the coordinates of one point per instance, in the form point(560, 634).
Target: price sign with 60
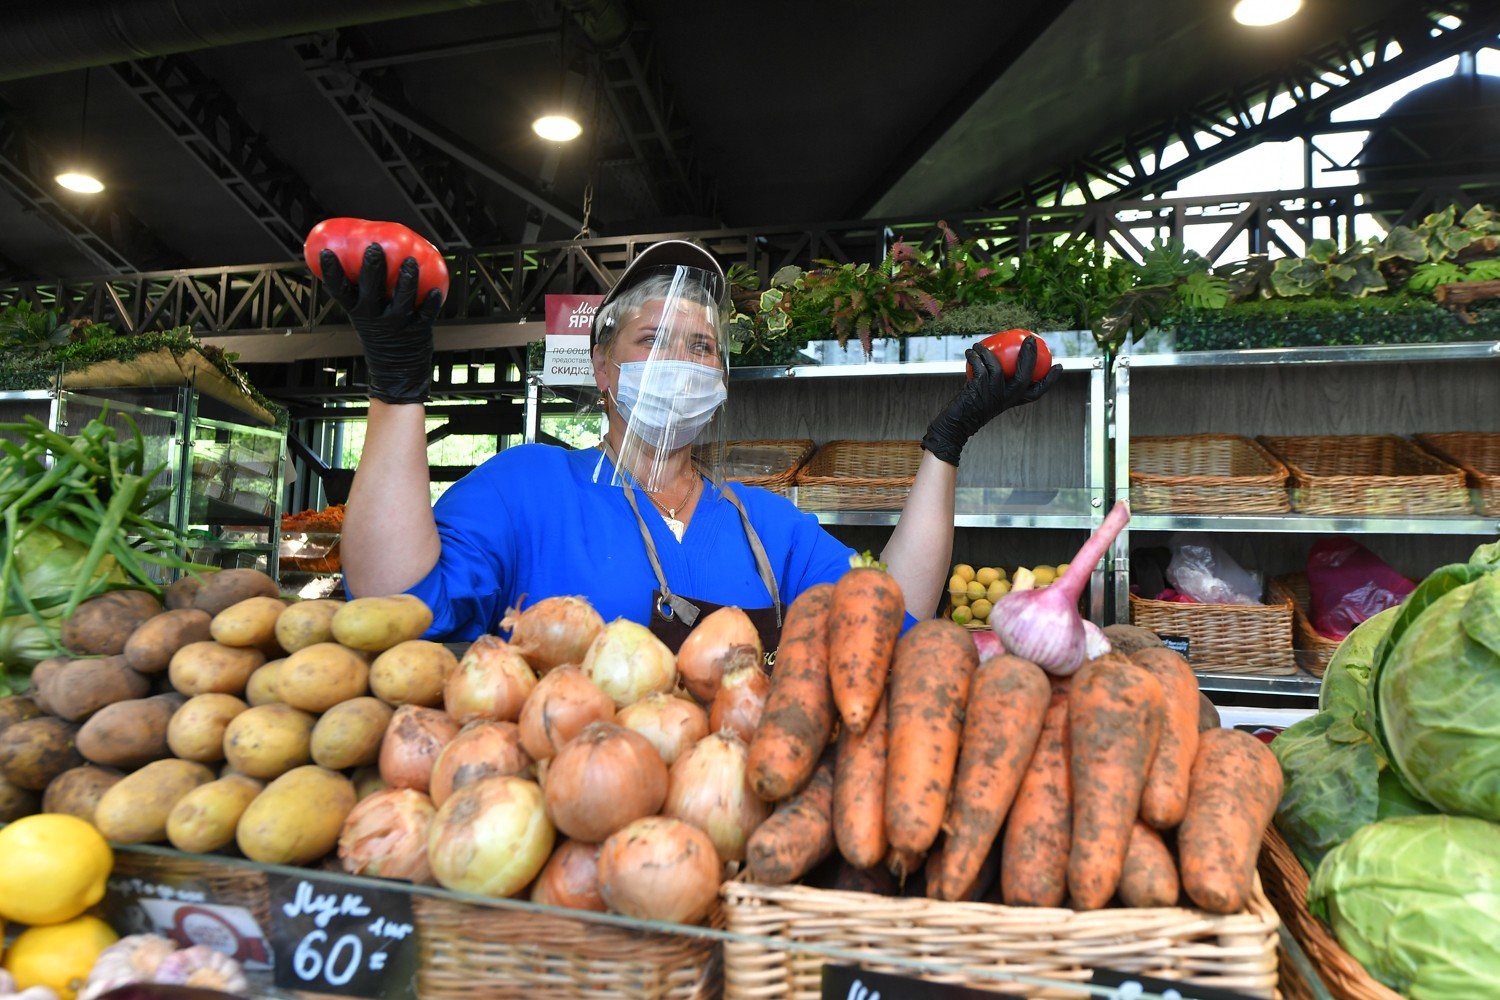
point(330, 939)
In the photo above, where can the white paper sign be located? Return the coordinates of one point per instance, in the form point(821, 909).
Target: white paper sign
point(567, 360)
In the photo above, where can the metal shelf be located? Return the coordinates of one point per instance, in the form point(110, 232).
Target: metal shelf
point(1293, 684)
point(1309, 524)
point(997, 519)
point(1354, 354)
point(883, 370)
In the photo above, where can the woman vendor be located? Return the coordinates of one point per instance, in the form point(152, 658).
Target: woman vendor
point(643, 526)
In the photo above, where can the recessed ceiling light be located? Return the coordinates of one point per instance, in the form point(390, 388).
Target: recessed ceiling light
point(557, 128)
point(80, 182)
point(1260, 13)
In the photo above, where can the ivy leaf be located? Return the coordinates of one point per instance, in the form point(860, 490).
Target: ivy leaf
point(1294, 276)
point(1403, 243)
point(1323, 251)
point(1364, 278)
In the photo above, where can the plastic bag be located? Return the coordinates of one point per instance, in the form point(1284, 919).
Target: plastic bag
point(1205, 572)
point(1348, 583)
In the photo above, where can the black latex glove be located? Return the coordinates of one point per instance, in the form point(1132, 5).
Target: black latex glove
point(984, 398)
point(395, 335)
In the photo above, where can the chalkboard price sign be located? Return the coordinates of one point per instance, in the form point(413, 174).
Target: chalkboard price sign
point(328, 938)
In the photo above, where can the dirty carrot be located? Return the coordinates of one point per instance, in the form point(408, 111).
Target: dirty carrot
point(859, 793)
point(798, 835)
point(1232, 795)
point(930, 680)
point(1001, 725)
point(1164, 799)
point(1149, 877)
point(798, 717)
point(1034, 854)
point(868, 609)
point(1114, 722)
point(904, 864)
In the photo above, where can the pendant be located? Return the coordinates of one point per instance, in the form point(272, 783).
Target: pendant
point(675, 526)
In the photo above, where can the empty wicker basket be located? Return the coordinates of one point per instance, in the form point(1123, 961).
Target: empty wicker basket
point(859, 475)
point(1225, 638)
point(1478, 454)
point(1368, 474)
point(772, 465)
point(1205, 474)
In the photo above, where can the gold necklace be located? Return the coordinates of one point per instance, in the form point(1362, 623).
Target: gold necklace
point(669, 514)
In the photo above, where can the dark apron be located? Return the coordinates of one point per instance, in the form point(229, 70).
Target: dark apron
point(673, 616)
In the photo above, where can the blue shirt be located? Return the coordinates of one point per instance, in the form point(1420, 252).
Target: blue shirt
point(532, 521)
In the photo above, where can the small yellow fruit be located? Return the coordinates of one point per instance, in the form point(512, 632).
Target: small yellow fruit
point(962, 616)
point(981, 610)
point(52, 868)
point(1044, 575)
point(957, 584)
point(965, 571)
point(959, 600)
point(60, 956)
point(1062, 568)
point(977, 590)
point(987, 576)
point(997, 590)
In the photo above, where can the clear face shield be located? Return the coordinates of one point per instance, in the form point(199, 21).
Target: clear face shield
point(661, 360)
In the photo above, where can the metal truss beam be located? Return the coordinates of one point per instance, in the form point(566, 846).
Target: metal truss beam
point(1359, 63)
point(206, 122)
point(452, 50)
point(107, 235)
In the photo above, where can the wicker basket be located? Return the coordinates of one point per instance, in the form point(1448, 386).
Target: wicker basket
point(1236, 952)
point(771, 465)
point(859, 475)
point(1286, 883)
point(1205, 474)
point(1478, 454)
point(1225, 638)
point(1369, 474)
point(1313, 647)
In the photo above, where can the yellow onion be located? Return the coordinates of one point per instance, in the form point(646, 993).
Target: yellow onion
point(385, 836)
point(480, 750)
point(740, 701)
point(628, 662)
point(672, 724)
point(563, 703)
point(492, 681)
point(554, 631)
point(571, 878)
point(491, 837)
point(605, 777)
point(718, 643)
point(411, 746)
point(710, 789)
point(659, 868)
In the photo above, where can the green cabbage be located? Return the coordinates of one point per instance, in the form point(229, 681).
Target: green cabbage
point(48, 563)
point(1417, 901)
point(1348, 672)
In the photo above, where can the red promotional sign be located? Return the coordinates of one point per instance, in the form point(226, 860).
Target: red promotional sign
point(571, 314)
point(567, 360)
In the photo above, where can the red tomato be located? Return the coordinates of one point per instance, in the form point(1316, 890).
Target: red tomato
point(348, 238)
point(1007, 345)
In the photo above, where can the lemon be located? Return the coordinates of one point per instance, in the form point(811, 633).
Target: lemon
point(965, 571)
point(959, 600)
point(977, 590)
point(987, 576)
point(52, 868)
point(981, 610)
point(60, 956)
point(962, 616)
point(1044, 575)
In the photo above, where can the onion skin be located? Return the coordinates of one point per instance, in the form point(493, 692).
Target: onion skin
point(660, 868)
point(491, 837)
point(603, 779)
point(628, 662)
point(741, 701)
point(672, 724)
point(571, 878)
point(385, 836)
point(562, 703)
point(411, 746)
point(492, 681)
point(710, 788)
point(553, 631)
point(715, 645)
point(480, 750)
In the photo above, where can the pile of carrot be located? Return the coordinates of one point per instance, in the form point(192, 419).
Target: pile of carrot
point(993, 781)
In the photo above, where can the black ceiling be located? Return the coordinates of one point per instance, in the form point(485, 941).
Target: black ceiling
point(797, 111)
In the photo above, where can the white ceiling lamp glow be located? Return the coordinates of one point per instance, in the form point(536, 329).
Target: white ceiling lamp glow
point(557, 128)
point(1262, 13)
point(78, 179)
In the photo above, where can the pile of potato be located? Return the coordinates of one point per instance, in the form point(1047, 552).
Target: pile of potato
point(228, 717)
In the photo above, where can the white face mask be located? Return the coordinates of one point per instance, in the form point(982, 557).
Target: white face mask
point(678, 404)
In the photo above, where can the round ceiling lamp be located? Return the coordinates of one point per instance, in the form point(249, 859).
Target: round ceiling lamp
point(1262, 13)
point(80, 181)
point(557, 128)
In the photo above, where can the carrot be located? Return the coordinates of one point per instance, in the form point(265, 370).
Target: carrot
point(1164, 799)
point(859, 793)
point(1114, 722)
point(929, 688)
point(984, 880)
point(1001, 725)
point(868, 609)
point(798, 835)
point(904, 864)
point(1232, 795)
point(1150, 876)
point(876, 879)
point(1034, 853)
point(798, 717)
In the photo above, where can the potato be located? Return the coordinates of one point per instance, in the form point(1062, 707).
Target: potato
point(78, 790)
point(261, 688)
point(375, 624)
point(412, 673)
point(16, 802)
point(17, 708)
point(1208, 714)
point(81, 688)
point(34, 752)
point(251, 622)
point(150, 647)
point(367, 781)
point(100, 625)
point(129, 734)
point(212, 668)
point(41, 674)
point(1126, 639)
point(135, 809)
point(349, 734)
point(306, 623)
point(205, 819)
point(319, 677)
point(228, 587)
point(297, 819)
point(268, 741)
point(180, 595)
point(196, 731)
